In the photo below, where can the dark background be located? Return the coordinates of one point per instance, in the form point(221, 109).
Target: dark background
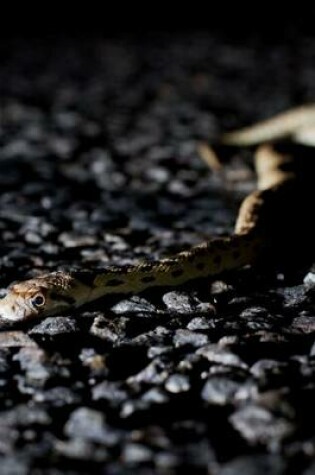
point(232, 19)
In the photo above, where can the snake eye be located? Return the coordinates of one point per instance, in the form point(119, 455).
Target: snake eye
point(38, 300)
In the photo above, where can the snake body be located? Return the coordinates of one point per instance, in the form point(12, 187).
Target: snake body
point(59, 291)
point(297, 123)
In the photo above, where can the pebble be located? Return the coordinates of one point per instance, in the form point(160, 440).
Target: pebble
point(88, 424)
point(177, 383)
point(303, 324)
point(200, 323)
point(37, 369)
point(8, 439)
point(14, 465)
point(293, 297)
point(258, 464)
point(185, 304)
point(254, 312)
point(187, 337)
point(154, 373)
point(265, 369)
point(94, 361)
point(55, 326)
point(134, 305)
point(81, 449)
point(158, 336)
point(155, 396)
point(310, 470)
point(109, 391)
point(221, 355)
point(219, 288)
point(101, 330)
point(166, 461)
point(155, 351)
point(309, 279)
point(12, 339)
point(220, 391)
point(58, 396)
point(74, 240)
point(25, 415)
point(259, 426)
point(135, 453)
point(136, 409)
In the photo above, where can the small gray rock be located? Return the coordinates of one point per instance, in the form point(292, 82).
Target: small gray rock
point(158, 336)
point(94, 361)
point(185, 304)
point(303, 324)
point(259, 426)
point(30, 357)
point(109, 391)
point(219, 288)
point(187, 337)
point(310, 470)
point(73, 240)
point(200, 323)
point(256, 465)
point(25, 415)
point(221, 355)
point(55, 326)
point(177, 383)
point(37, 370)
point(265, 368)
point(58, 396)
point(136, 453)
point(14, 465)
point(135, 304)
point(154, 373)
point(293, 297)
point(88, 424)
point(155, 351)
point(309, 279)
point(101, 330)
point(80, 449)
point(134, 408)
point(220, 390)
point(155, 396)
point(254, 312)
point(166, 461)
point(8, 439)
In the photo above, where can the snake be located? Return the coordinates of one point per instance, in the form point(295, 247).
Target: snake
point(258, 225)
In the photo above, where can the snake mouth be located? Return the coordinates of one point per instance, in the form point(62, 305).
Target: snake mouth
point(7, 324)
point(6, 320)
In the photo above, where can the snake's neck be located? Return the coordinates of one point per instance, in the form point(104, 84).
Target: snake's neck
point(205, 260)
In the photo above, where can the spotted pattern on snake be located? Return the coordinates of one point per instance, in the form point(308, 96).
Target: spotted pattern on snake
point(59, 291)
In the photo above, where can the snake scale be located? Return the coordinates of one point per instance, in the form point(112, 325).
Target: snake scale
point(259, 224)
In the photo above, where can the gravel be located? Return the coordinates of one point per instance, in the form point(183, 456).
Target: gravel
point(99, 165)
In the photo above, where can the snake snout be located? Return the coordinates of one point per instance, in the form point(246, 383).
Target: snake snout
point(12, 310)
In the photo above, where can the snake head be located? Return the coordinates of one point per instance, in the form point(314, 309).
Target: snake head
point(34, 298)
point(21, 303)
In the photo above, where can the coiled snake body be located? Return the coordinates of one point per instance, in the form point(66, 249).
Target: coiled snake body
point(257, 227)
